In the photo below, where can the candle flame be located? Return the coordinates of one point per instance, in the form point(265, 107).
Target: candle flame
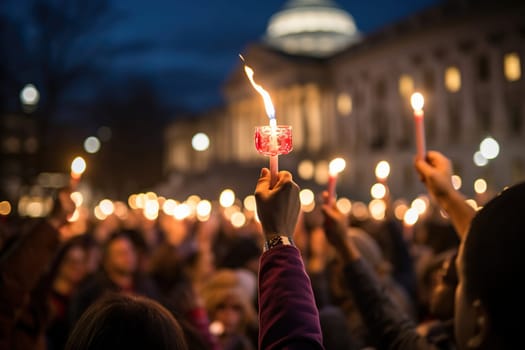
point(268, 105)
point(78, 166)
point(336, 166)
point(417, 101)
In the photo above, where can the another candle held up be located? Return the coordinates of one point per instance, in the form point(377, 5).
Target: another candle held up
point(78, 167)
point(334, 168)
point(417, 101)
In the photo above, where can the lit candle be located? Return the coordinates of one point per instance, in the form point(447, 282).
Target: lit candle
point(78, 166)
point(334, 168)
point(270, 111)
point(382, 171)
point(417, 102)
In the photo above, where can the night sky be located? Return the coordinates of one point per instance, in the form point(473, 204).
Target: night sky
point(185, 50)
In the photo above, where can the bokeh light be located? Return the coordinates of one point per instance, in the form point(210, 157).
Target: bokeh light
point(456, 182)
point(92, 144)
point(344, 205)
point(489, 148)
point(200, 142)
point(378, 191)
point(227, 198)
point(382, 170)
point(480, 186)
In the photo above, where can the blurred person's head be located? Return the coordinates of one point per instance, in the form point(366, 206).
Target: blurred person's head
point(124, 322)
point(490, 263)
point(120, 256)
point(228, 302)
point(70, 264)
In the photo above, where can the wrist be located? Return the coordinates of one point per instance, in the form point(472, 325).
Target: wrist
point(276, 241)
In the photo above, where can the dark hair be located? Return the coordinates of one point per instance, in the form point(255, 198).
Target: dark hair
point(493, 260)
point(124, 322)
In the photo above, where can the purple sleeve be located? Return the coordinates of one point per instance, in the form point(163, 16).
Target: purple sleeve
point(288, 316)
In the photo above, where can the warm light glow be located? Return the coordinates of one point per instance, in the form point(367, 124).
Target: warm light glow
point(5, 208)
point(268, 105)
point(99, 214)
point(344, 104)
point(399, 210)
point(472, 203)
point(411, 216)
point(78, 166)
point(344, 205)
point(336, 166)
point(203, 208)
point(306, 169)
point(168, 207)
point(453, 79)
point(479, 159)
point(325, 20)
point(382, 170)
point(360, 210)
point(182, 211)
point(35, 208)
point(456, 182)
point(200, 142)
point(377, 209)
point(512, 66)
point(29, 95)
point(417, 101)
point(151, 210)
point(92, 144)
point(238, 219)
point(378, 191)
point(406, 85)
point(227, 198)
point(249, 203)
point(489, 148)
point(480, 186)
point(106, 207)
point(141, 200)
point(307, 197)
point(420, 204)
point(77, 198)
point(75, 216)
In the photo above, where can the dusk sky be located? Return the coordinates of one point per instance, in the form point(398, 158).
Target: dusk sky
point(187, 49)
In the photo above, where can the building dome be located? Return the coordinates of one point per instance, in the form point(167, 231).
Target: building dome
point(316, 28)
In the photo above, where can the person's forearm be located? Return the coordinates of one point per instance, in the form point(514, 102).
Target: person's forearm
point(458, 210)
point(287, 312)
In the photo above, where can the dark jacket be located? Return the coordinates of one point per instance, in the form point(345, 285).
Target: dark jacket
point(22, 315)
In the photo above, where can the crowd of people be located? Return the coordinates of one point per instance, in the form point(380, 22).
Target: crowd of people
point(292, 280)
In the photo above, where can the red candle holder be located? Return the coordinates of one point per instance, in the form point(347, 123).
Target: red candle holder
point(263, 140)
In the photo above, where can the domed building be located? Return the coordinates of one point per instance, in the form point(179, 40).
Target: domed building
point(347, 95)
point(316, 28)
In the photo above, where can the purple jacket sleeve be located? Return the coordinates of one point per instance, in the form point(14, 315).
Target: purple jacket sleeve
point(288, 316)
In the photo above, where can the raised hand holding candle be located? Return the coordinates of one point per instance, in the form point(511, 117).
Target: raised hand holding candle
point(334, 168)
point(78, 166)
point(272, 140)
point(417, 102)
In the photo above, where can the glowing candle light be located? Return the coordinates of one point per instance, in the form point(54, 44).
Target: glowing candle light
point(334, 168)
point(78, 166)
point(417, 102)
point(277, 138)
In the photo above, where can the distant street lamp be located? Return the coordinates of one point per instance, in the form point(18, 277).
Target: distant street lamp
point(29, 95)
point(200, 142)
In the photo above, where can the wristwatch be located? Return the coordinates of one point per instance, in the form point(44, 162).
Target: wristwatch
point(277, 241)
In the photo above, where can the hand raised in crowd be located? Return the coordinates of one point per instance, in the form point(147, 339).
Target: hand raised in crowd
point(436, 173)
point(63, 208)
point(336, 227)
point(277, 207)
